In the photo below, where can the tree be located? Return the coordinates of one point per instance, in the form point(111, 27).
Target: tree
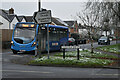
point(89, 19)
point(108, 10)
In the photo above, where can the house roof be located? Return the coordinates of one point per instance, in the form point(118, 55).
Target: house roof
point(4, 14)
point(20, 18)
point(29, 18)
point(1, 23)
point(11, 17)
point(70, 23)
point(7, 16)
point(58, 21)
point(7, 11)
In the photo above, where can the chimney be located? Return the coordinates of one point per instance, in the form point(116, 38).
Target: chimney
point(11, 11)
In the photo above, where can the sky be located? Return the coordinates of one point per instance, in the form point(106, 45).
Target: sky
point(63, 9)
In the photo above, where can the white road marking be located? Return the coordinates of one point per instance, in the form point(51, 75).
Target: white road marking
point(16, 55)
point(27, 71)
point(107, 74)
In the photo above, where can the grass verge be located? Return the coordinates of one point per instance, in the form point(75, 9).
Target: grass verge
point(86, 59)
point(111, 48)
point(87, 53)
point(71, 61)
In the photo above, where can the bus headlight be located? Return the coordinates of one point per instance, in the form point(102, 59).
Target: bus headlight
point(34, 44)
point(12, 43)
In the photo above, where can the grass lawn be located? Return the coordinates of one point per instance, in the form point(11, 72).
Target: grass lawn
point(68, 61)
point(111, 48)
point(85, 59)
point(86, 53)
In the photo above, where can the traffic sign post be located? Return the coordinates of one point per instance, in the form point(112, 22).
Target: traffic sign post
point(40, 18)
point(39, 42)
point(48, 38)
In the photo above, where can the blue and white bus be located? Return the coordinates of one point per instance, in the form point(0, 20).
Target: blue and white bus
point(24, 37)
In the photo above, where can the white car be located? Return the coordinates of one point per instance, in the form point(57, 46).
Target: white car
point(71, 41)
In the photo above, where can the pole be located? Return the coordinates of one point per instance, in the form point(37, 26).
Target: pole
point(39, 41)
point(36, 40)
point(78, 54)
point(39, 33)
point(63, 53)
point(48, 38)
point(39, 5)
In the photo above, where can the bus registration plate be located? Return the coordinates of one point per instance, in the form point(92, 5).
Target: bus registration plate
point(54, 44)
point(22, 50)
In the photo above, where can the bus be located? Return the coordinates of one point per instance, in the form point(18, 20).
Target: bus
point(25, 35)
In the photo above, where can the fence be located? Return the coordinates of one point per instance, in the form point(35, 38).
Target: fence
point(6, 35)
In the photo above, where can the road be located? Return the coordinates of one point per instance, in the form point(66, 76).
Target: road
point(88, 46)
point(11, 70)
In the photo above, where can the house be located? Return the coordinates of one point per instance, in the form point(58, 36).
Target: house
point(13, 20)
point(73, 27)
point(8, 19)
point(82, 31)
point(4, 20)
point(117, 32)
point(7, 22)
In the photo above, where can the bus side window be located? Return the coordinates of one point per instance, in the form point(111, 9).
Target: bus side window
point(54, 35)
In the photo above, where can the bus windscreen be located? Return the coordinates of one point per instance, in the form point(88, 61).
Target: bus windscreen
point(24, 33)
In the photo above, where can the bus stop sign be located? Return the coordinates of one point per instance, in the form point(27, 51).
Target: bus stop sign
point(42, 17)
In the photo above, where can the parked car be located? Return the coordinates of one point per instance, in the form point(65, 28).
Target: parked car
point(104, 40)
point(71, 41)
point(112, 37)
point(80, 41)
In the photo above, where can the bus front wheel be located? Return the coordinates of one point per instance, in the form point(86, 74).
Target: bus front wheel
point(33, 52)
point(14, 52)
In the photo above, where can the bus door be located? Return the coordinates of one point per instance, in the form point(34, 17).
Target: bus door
point(43, 39)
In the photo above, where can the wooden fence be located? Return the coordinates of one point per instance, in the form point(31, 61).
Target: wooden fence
point(6, 37)
point(6, 34)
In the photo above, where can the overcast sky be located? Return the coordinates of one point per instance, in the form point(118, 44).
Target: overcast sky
point(63, 9)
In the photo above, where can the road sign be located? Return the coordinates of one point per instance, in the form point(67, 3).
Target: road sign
point(70, 47)
point(42, 17)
